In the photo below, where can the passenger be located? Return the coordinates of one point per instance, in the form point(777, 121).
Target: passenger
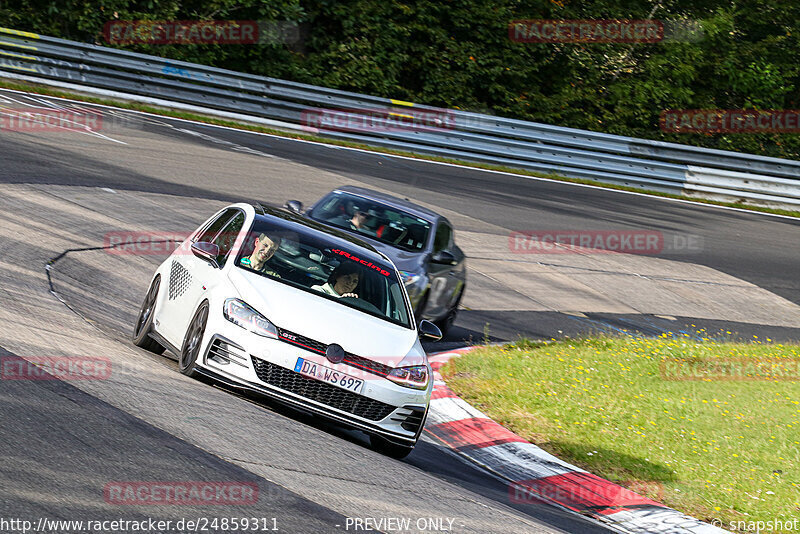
point(342, 281)
point(264, 248)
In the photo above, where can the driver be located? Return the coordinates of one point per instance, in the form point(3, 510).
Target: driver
point(342, 281)
point(264, 248)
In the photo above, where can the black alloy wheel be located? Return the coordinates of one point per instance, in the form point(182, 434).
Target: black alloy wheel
point(144, 323)
point(193, 341)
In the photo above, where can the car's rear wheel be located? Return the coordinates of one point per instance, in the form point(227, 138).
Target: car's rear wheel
point(193, 341)
point(144, 323)
point(386, 447)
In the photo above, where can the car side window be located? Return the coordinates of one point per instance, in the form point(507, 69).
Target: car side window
point(211, 232)
point(227, 237)
point(443, 238)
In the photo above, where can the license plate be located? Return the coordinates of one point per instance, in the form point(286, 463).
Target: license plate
point(326, 374)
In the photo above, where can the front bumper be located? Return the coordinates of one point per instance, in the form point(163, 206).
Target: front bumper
point(266, 366)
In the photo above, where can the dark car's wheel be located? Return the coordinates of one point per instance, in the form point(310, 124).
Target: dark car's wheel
point(193, 341)
point(144, 323)
point(386, 447)
point(447, 321)
point(423, 302)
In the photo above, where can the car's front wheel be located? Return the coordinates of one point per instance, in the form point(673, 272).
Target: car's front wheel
point(193, 341)
point(144, 323)
point(386, 447)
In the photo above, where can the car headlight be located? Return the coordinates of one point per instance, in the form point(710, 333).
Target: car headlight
point(240, 313)
point(411, 377)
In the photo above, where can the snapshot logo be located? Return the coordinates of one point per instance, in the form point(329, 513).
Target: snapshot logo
point(48, 119)
point(181, 493)
point(194, 32)
point(54, 368)
point(772, 525)
point(734, 369)
point(729, 121)
point(585, 493)
point(383, 120)
point(586, 31)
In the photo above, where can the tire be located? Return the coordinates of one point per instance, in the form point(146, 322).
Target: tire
point(423, 302)
point(193, 342)
point(387, 448)
point(446, 323)
point(144, 322)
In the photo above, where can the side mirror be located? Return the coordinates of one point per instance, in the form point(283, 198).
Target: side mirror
point(443, 257)
point(294, 205)
point(206, 251)
point(429, 331)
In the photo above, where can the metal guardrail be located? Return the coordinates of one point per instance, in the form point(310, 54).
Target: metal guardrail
point(667, 167)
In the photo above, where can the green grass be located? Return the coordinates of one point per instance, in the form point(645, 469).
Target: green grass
point(711, 447)
point(167, 112)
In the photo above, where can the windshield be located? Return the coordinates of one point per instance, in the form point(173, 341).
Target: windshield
point(330, 268)
point(386, 224)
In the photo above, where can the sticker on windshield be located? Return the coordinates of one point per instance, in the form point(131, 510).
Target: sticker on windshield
point(366, 263)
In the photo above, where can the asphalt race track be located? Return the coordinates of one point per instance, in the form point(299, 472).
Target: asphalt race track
point(63, 191)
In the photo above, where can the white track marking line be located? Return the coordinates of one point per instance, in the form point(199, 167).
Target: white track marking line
point(420, 160)
point(80, 128)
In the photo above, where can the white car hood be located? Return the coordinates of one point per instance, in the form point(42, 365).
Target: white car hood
point(327, 321)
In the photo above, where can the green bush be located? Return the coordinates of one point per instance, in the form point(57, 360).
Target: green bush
point(456, 53)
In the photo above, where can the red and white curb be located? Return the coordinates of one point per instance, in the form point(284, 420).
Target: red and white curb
point(537, 476)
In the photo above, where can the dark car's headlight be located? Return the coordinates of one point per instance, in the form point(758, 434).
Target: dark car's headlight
point(413, 282)
point(410, 278)
point(415, 376)
point(240, 313)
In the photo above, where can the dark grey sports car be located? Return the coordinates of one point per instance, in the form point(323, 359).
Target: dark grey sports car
point(419, 241)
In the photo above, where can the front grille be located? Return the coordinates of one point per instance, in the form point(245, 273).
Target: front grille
point(319, 391)
point(318, 347)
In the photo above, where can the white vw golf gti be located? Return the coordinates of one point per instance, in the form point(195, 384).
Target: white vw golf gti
point(265, 300)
